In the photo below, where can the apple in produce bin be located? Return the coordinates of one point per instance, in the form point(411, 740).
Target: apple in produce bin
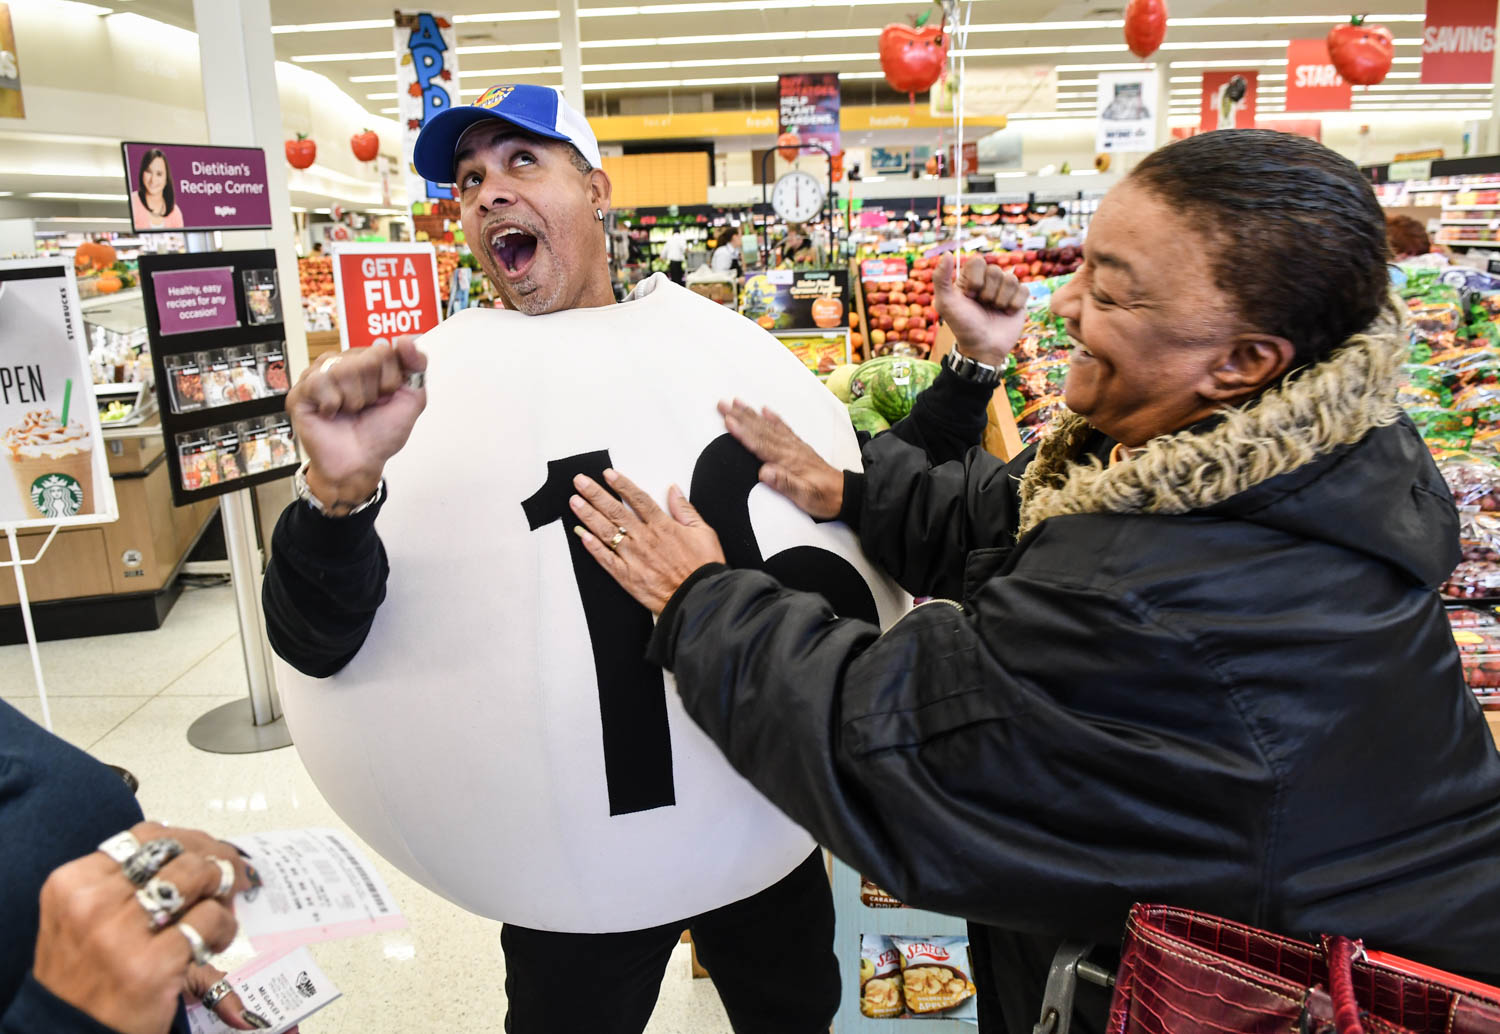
point(1036, 268)
point(899, 323)
point(898, 298)
point(929, 313)
point(877, 338)
point(993, 259)
point(1028, 257)
point(857, 339)
point(887, 324)
point(880, 297)
point(914, 309)
point(1069, 253)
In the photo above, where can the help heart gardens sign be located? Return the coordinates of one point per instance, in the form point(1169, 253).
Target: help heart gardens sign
point(384, 291)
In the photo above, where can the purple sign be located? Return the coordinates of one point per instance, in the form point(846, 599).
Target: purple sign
point(190, 300)
point(176, 187)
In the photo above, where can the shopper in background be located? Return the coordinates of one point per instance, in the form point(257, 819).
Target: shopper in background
point(1055, 221)
point(796, 248)
point(1197, 655)
point(532, 204)
point(726, 258)
point(1408, 238)
point(78, 954)
point(675, 252)
point(151, 205)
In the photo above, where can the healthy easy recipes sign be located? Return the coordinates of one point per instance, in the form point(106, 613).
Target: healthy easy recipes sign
point(384, 291)
point(178, 187)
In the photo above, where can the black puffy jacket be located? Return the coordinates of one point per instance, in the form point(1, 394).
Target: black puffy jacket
point(1215, 675)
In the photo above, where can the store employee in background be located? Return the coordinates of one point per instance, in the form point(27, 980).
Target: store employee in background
point(525, 164)
point(727, 255)
point(675, 252)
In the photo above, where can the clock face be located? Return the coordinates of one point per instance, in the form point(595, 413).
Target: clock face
point(797, 197)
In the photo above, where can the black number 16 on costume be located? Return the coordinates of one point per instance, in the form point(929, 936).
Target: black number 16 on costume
point(632, 691)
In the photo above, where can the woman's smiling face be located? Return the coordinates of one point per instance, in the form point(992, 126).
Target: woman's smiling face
point(155, 176)
point(1145, 314)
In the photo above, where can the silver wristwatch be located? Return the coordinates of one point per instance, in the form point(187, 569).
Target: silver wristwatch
point(299, 486)
point(972, 370)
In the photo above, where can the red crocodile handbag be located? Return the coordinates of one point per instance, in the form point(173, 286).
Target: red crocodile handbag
point(1183, 972)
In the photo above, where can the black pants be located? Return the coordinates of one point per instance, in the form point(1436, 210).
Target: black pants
point(674, 273)
point(770, 955)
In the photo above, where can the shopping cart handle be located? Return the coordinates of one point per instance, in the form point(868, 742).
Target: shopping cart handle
point(1068, 965)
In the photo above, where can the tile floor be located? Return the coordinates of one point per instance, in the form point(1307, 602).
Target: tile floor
point(129, 700)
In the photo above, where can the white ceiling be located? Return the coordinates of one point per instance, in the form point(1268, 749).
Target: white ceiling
point(691, 54)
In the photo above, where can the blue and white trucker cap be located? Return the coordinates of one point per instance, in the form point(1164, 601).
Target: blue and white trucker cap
point(536, 109)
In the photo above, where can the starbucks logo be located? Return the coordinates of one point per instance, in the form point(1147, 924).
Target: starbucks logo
point(56, 495)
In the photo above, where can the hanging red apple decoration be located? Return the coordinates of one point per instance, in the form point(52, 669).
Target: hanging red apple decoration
point(1361, 53)
point(914, 56)
point(365, 144)
point(1145, 26)
point(301, 152)
point(787, 145)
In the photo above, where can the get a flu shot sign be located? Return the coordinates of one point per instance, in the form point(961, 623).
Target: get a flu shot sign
point(384, 291)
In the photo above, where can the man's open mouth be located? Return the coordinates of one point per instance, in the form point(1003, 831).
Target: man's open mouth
point(513, 249)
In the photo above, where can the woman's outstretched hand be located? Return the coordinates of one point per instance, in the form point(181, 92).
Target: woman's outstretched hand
point(649, 552)
point(789, 465)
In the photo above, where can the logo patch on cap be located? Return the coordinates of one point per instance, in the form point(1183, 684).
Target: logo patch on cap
point(493, 96)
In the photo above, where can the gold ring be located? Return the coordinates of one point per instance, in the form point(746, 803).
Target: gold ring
point(614, 543)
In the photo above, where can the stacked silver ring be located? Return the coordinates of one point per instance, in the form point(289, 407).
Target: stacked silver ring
point(121, 847)
point(199, 947)
point(216, 994)
point(147, 862)
point(416, 380)
point(226, 877)
point(162, 901)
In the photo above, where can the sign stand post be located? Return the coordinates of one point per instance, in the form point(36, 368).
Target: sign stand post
point(19, 566)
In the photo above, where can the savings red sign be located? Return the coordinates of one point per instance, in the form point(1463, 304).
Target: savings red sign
point(1228, 100)
point(384, 291)
point(1458, 45)
point(1312, 83)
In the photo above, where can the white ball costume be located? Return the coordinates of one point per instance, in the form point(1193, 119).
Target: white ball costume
point(500, 737)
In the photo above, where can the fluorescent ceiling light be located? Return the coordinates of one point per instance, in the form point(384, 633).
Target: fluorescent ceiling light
point(1128, 66)
point(674, 83)
point(389, 78)
point(82, 219)
point(390, 111)
point(6, 193)
point(495, 74)
point(65, 196)
point(360, 23)
point(507, 48)
point(380, 96)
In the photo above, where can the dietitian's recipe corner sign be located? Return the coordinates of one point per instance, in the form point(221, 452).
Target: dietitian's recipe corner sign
point(384, 291)
point(178, 187)
point(49, 423)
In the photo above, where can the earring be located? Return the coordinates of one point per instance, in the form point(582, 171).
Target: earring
point(599, 212)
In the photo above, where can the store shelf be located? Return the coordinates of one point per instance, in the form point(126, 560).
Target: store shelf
point(1472, 208)
point(1470, 222)
point(1469, 244)
point(100, 301)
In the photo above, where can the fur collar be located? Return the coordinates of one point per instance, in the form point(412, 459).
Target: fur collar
point(1314, 411)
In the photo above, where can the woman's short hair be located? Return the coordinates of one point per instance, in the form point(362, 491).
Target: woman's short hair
point(1296, 235)
point(1407, 236)
point(166, 189)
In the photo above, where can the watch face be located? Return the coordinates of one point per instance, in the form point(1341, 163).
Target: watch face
point(797, 197)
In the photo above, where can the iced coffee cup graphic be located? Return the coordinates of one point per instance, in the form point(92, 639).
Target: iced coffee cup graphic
point(52, 464)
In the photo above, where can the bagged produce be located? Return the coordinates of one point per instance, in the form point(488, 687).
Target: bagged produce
point(1474, 483)
point(1477, 634)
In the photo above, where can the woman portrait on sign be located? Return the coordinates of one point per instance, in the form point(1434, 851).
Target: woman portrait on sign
point(152, 206)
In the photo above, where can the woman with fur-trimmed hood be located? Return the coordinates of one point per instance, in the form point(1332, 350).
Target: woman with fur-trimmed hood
point(1194, 653)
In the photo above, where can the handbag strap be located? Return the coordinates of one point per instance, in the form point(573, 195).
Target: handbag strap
point(1341, 952)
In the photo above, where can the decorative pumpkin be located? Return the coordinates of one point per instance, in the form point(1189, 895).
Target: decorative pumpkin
point(301, 152)
point(914, 56)
point(1101, 161)
point(92, 255)
point(787, 146)
point(107, 284)
point(365, 145)
point(1145, 26)
point(1361, 53)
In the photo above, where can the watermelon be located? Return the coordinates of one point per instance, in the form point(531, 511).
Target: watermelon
point(839, 381)
point(894, 387)
point(865, 418)
point(863, 373)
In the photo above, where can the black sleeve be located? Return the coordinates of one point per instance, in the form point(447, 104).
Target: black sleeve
point(35, 1010)
point(325, 581)
point(936, 759)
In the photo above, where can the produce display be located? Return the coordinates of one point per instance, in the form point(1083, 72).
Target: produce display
point(881, 391)
point(1477, 633)
point(315, 280)
point(899, 316)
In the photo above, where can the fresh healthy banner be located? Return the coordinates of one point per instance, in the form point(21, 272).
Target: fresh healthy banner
point(49, 423)
point(426, 83)
point(810, 108)
point(1458, 44)
point(1228, 100)
point(175, 187)
point(10, 69)
point(1312, 83)
point(383, 291)
point(1126, 112)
